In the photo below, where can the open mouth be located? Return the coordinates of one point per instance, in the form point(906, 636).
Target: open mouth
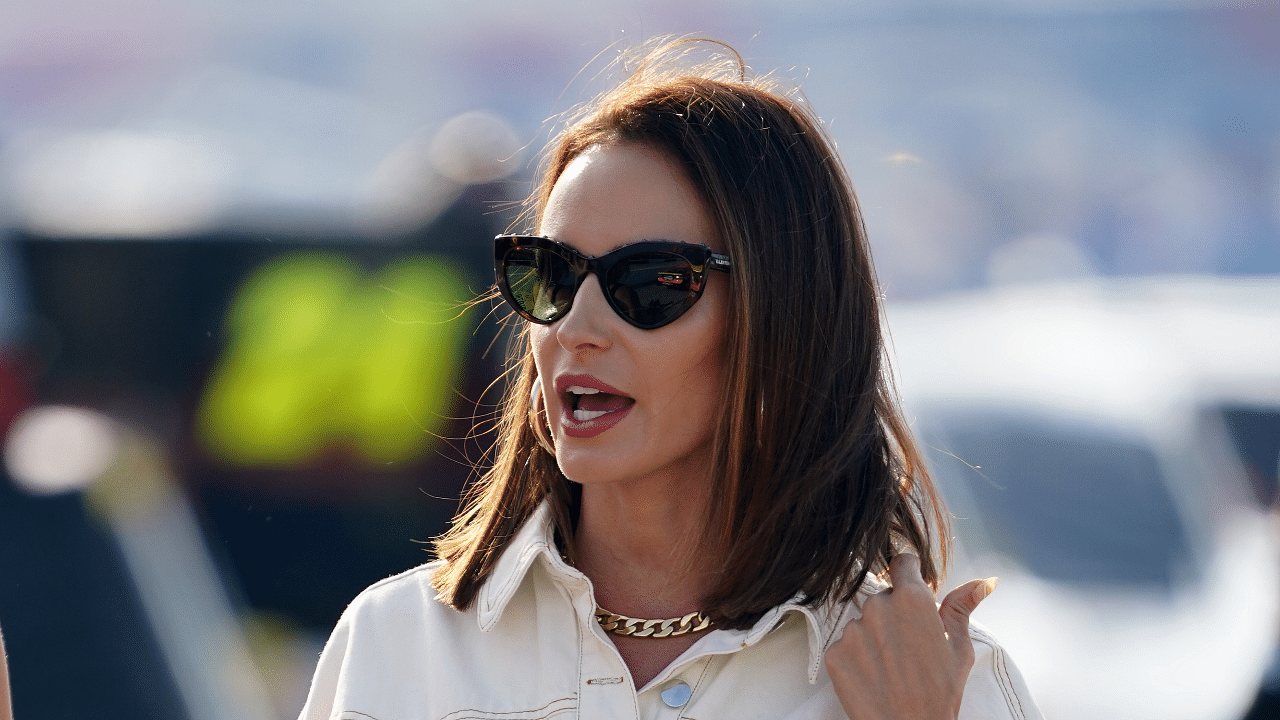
point(585, 404)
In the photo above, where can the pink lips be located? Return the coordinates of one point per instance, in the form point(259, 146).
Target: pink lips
point(605, 414)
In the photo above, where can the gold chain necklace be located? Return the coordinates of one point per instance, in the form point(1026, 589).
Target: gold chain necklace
point(635, 627)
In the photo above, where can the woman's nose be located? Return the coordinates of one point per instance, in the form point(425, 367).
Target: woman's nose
point(589, 322)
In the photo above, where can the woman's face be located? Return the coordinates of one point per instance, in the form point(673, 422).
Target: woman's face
point(624, 403)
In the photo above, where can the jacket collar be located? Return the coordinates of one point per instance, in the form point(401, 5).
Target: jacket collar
point(536, 539)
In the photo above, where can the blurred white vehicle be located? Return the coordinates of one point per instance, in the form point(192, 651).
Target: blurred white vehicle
point(1077, 433)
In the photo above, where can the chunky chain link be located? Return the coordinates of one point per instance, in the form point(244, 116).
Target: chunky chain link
point(634, 627)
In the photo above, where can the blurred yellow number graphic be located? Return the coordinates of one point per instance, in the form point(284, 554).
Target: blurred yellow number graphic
point(322, 354)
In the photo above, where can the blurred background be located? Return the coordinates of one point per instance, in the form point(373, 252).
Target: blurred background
point(239, 372)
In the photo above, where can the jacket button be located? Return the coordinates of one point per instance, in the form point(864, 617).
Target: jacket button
point(676, 694)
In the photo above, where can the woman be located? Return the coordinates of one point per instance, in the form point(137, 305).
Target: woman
point(700, 474)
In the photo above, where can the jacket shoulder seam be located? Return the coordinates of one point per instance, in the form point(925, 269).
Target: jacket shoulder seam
point(1001, 669)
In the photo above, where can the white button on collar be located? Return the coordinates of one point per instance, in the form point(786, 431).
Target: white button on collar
point(676, 694)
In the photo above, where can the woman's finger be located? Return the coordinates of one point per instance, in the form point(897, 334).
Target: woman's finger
point(956, 608)
point(904, 570)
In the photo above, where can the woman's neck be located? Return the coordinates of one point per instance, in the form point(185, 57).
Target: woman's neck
point(641, 552)
point(640, 548)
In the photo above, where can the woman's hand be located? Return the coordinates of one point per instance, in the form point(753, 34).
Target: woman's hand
point(906, 657)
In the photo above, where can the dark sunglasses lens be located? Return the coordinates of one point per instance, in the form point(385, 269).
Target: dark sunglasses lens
point(541, 282)
point(652, 289)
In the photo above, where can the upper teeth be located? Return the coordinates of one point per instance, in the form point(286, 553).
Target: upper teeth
point(579, 390)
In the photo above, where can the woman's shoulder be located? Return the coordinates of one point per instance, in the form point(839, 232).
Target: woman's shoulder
point(995, 687)
point(404, 594)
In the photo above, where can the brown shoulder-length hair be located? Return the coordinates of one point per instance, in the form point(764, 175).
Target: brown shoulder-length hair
point(817, 481)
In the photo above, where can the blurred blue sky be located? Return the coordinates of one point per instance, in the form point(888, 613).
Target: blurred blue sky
point(988, 140)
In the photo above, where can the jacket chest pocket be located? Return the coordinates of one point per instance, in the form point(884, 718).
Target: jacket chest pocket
point(556, 709)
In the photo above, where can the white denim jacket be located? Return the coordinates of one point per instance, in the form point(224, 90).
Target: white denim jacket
point(529, 648)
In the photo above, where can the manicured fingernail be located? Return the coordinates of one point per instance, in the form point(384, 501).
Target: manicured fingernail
point(987, 587)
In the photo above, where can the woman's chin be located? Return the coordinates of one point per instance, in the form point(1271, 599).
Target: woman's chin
point(591, 467)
